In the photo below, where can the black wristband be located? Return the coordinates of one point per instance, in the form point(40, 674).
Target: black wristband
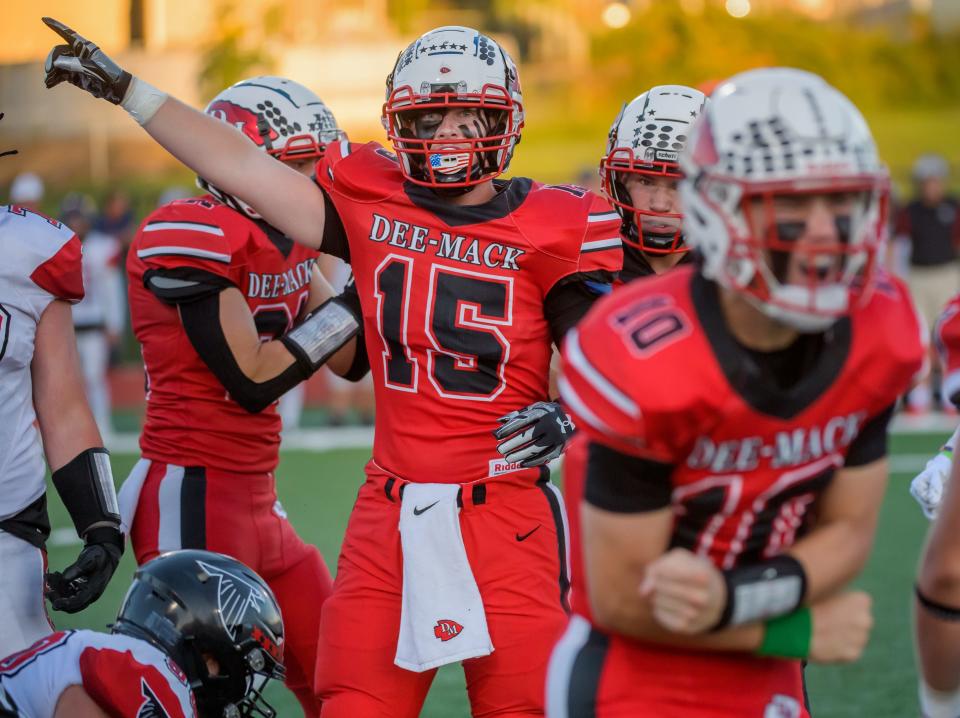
point(940, 610)
point(763, 590)
point(86, 487)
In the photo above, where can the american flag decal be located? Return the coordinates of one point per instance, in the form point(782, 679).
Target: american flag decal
point(234, 596)
point(449, 164)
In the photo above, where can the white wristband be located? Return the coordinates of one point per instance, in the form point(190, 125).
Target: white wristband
point(937, 704)
point(142, 100)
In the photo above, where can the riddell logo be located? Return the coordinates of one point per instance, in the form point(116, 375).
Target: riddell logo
point(499, 466)
point(447, 629)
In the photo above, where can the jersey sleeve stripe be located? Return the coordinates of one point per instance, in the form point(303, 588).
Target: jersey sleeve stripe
point(184, 226)
point(596, 380)
point(599, 245)
point(184, 252)
point(603, 217)
point(580, 408)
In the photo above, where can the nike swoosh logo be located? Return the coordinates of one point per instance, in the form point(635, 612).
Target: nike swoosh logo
point(417, 510)
point(528, 534)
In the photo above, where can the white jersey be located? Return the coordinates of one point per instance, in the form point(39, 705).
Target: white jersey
point(126, 677)
point(40, 261)
point(103, 305)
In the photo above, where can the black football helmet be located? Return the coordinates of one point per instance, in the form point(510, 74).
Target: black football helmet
point(193, 604)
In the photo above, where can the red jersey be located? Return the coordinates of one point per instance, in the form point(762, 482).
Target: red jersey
point(456, 302)
point(947, 337)
point(126, 677)
point(653, 372)
point(191, 420)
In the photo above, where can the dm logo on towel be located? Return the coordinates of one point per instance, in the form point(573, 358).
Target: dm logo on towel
point(447, 629)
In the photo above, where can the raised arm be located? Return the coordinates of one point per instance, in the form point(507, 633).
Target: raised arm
point(214, 150)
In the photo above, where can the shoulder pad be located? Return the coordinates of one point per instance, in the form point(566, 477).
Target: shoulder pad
point(42, 251)
point(198, 231)
point(628, 373)
point(365, 173)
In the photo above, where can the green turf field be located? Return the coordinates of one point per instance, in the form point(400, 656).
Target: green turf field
point(318, 489)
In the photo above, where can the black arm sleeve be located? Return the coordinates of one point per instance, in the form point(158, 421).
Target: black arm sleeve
point(334, 234)
point(871, 442)
point(626, 484)
point(570, 299)
point(201, 321)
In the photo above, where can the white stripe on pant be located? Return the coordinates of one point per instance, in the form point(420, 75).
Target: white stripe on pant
point(169, 535)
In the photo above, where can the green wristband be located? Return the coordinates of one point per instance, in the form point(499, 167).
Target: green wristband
point(788, 636)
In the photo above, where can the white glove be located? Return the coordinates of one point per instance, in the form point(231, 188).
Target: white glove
point(928, 486)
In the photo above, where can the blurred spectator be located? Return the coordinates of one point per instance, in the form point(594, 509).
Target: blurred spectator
point(99, 318)
point(930, 222)
point(173, 193)
point(345, 395)
point(116, 219)
point(27, 190)
point(589, 178)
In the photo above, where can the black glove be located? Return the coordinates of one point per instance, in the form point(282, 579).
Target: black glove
point(534, 435)
point(82, 582)
point(81, 63)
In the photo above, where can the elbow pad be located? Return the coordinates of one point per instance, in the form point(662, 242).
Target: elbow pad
point(86, 487)
point(324, 331)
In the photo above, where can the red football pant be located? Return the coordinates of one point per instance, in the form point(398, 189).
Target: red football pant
point(515, 541)
point(239, 515)
point(596, 675)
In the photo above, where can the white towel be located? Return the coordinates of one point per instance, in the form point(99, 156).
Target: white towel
point(442, 619)
point(129, 495)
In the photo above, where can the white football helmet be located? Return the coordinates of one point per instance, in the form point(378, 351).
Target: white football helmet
point(765, 134)
point(646, 139)
point(281, 117)
point(452, 67)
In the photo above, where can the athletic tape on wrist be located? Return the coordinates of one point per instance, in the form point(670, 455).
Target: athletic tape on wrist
point(142, 100)
point(322, 333)
point(788, 636)
point(763, 590)
point(938, 704)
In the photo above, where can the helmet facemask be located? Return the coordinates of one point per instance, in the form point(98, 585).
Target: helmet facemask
point(806, 283)
point(653, 232)
point(483, 146)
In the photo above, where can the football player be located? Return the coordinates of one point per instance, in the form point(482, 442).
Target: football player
point(937, 598)
point(640, 179)
point(638, 174)
point(42, 397)
point(929, 485)
point(738, 416)
point(230, 315)
point(465, 281)
point(199, 635)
